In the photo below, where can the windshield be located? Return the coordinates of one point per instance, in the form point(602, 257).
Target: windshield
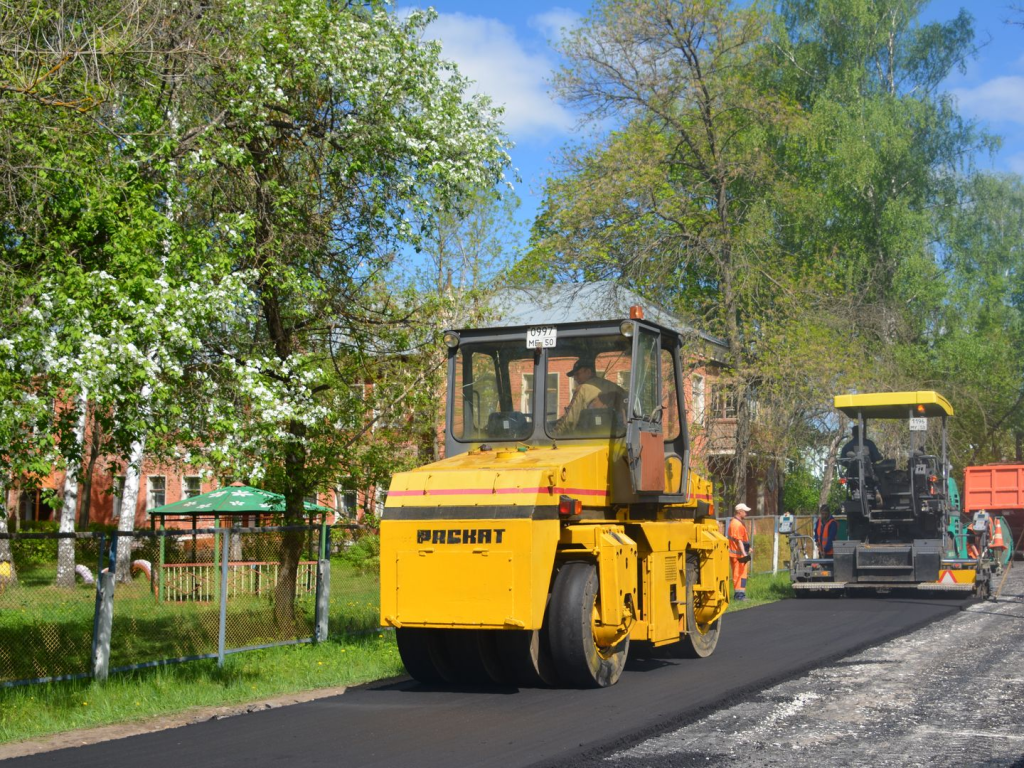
point(492, 393)
point(588, 387)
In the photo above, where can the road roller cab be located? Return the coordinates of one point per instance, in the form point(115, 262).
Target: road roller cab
point(564, 521)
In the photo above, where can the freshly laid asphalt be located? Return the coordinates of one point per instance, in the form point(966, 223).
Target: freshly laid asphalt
point(399, 722)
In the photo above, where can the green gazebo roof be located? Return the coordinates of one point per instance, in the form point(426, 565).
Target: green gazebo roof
point(232, 500)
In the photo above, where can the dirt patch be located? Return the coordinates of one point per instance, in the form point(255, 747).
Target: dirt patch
point(161, 723)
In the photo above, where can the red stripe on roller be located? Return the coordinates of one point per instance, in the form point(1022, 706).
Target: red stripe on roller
point(488, 491)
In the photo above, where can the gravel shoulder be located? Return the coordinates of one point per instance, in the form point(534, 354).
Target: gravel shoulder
point(949, 694)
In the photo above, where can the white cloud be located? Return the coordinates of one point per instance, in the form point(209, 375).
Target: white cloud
point(999, 100)
point(487, 51)
point(554, 23)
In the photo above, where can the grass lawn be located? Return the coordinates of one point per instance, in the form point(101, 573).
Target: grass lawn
point(764, 588)
point(37, 710)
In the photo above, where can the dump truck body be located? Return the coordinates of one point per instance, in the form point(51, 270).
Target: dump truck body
point(999, 489)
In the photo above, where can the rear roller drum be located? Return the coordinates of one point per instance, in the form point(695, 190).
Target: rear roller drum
point(474, 658)
point(527, 653)
point(579, 659)
point(423, 654)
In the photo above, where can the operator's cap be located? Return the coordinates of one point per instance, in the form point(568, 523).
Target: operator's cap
point(741, 507)
point(583, 362)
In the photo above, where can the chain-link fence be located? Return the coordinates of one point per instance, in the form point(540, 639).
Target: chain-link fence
point(46, 630)
point(355, 581)
point(187, 594)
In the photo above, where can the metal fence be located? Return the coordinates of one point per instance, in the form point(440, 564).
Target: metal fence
point(184, 595)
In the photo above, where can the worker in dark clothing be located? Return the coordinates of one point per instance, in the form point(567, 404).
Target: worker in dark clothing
point(851, 457)
point(826, 528)
point(850, 449)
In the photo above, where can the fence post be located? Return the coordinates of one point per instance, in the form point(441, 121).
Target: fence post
point(222, 630)
point(323, 584)
point(775, 549)
point(104, 617)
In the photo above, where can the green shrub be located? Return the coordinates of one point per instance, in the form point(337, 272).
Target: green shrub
point(364, 554)
point(31, 552)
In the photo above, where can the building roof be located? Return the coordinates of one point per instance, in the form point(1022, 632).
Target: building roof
point(588, 302)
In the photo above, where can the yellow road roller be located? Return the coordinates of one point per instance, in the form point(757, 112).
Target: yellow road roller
point(564, 522)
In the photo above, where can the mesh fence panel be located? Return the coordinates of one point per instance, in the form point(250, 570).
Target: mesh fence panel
point(166, 607)
point(170, 608)
point(355, 580)
point(46, 630)
point(258, 585)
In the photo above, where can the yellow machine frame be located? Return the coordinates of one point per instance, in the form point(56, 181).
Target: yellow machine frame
point(495, 543)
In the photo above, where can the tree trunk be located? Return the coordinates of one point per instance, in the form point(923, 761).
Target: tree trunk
point(742, 445)
point(8, 573)
point(94, 452)
point(292, 541)
point(66, 547)
point(830, 467)
point(129, 503)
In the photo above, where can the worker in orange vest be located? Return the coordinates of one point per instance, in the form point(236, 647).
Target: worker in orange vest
point(826, 528)
point(739, 550)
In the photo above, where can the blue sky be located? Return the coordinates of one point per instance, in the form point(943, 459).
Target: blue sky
point(504, 47)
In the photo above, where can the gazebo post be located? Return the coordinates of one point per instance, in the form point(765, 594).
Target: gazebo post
point(163, 559)
point(216, 555)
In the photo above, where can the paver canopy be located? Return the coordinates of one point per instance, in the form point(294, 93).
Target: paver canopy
point(232, 500)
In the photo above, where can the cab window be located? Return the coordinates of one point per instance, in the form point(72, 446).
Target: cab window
point(590, 378)
point(492, 392)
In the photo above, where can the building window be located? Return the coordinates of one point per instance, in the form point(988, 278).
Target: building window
point(193, 486)
point(724, 402)
point(156, 492)
point(526, 399)
point(622, 378)
point(31, 506)
point(698, 399)
point(344, 503)
point(381, 500)
point(118, 492)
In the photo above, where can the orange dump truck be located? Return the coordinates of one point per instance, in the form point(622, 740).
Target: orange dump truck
point(999, 489)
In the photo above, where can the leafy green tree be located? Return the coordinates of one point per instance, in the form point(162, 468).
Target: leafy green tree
point(981, 318)
point(674, 197)
point(325, 129)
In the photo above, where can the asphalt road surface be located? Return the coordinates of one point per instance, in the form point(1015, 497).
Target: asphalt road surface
point(398, 722)
point(950, 694)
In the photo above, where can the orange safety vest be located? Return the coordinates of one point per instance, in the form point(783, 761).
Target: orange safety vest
point(997, 535)
point(824, 537)
point(737, 534)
